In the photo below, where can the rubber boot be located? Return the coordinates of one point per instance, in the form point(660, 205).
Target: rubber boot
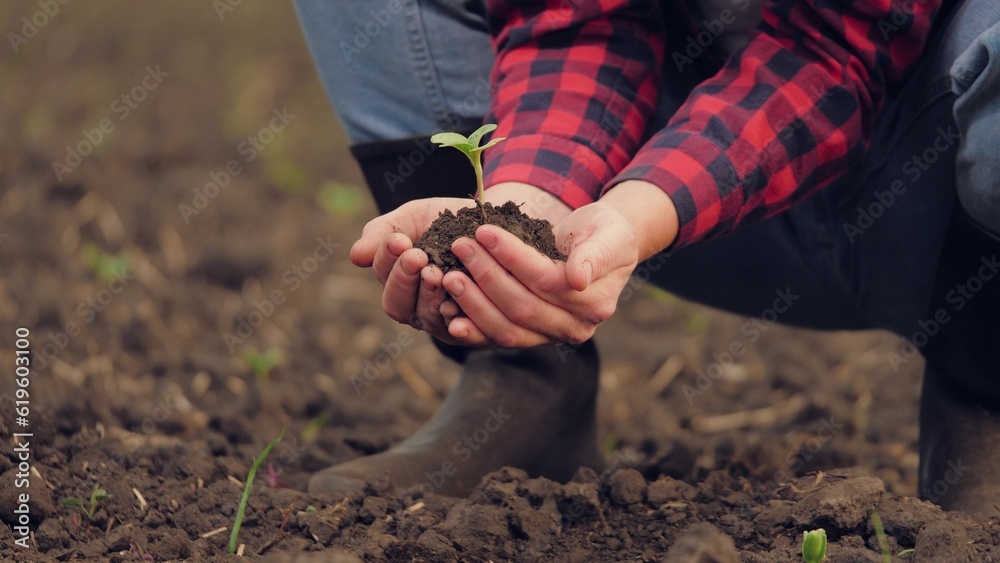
point(959, 448)
point(534, 409)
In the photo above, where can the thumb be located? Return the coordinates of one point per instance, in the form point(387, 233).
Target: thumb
point(363, 251)
point(590, 259)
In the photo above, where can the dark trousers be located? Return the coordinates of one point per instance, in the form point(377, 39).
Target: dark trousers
point(887, 246)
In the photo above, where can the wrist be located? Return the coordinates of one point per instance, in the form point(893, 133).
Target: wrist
point(649, 210)
point(534, 201)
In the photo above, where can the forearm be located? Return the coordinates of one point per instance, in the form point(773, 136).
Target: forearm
point(645, 206)
point(649, 210)
point(787, 116)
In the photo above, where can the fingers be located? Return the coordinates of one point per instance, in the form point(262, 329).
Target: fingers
point(590, 260)
point(449, 311)
point(399, 297)
point(534, 270)
point(429, 301)
point(388, 253)
point(482, 314)
point(466, 333)
point(510, 296)
point(598, 247)
point(372, 236)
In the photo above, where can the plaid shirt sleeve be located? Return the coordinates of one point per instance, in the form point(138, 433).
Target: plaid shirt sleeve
point(576, 82)
point(785, 117)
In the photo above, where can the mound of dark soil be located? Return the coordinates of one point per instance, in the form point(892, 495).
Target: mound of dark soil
point(449, 227)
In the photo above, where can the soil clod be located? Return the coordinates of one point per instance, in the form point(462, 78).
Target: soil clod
point(449, 227)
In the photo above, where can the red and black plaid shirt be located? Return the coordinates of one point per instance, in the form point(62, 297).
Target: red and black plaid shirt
point(577, 84)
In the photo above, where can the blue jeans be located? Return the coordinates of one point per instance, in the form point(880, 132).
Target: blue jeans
point(882, 248)
point(401, 68)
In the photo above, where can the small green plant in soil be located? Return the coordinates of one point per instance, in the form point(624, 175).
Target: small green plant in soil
point(814, 546)
point(448, 227)
point(340, 199)
point(311, 430)
point(241, 511)
point(883, 541)
point(88, 507)
point(106, 267)
point(261, 364)
point(469, 146)
point(137, 549)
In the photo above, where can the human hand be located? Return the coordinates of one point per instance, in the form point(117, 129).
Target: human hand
point(519, 298)
point(412, 292)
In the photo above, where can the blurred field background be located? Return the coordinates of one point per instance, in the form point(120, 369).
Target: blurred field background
point(225, 76)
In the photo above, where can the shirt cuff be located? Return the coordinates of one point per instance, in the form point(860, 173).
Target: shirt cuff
point(569, 170)
point(694, 178)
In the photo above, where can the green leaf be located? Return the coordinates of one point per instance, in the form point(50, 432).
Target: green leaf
point(241, 511)
point(489, 144)
point(72, 501)
point(100, 494)
point(311, 429)
point(814, 546)
point(611, 443)
point(469, 147)
point(450, 139)
point(476, 135)
point(262, 364)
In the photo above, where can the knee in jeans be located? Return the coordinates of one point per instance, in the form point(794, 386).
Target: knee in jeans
point(976, 81)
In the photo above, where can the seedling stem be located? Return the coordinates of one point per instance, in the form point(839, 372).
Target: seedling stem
point(89, 508)
point(234, 536)
point(471, 149)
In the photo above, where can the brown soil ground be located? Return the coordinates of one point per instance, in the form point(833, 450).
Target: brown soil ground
point(142, 385)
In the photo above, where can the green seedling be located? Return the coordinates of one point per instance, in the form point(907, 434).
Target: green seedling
point(106, 267)
point(660, 295)
point(88, 507)
point(262, 364)
point(311, 430)
point(340, 199)
point(883, 541)
point(471, 149)
point(241, 511)
point(611, 443)
point(814, 546)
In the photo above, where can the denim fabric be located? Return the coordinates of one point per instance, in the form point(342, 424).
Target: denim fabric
point(976, 76)
point(401, 68)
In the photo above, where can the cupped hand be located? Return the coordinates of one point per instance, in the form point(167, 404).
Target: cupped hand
point(517, 297)
point(412, 291)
